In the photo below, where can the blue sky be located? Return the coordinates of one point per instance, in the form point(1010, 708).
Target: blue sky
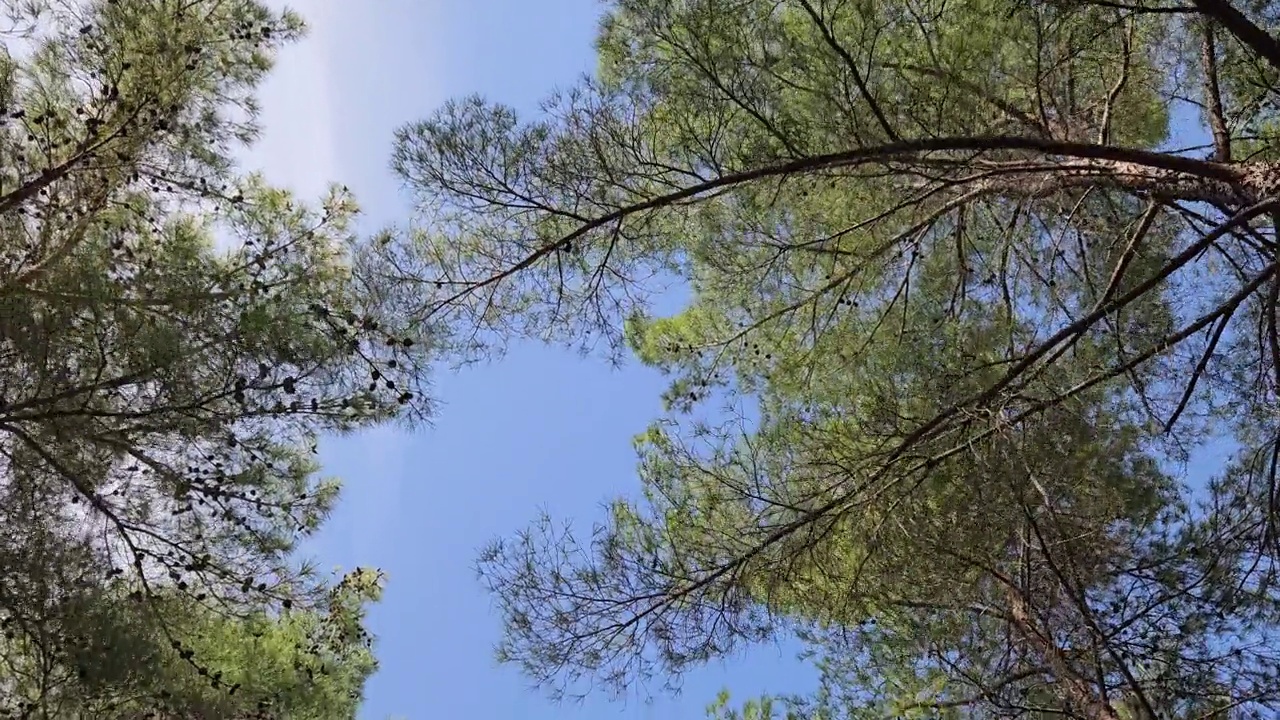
point(541, 429)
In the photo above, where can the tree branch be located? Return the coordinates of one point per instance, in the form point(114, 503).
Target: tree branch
point(1236, 23)
point(853, 70)
point(1213, 93)
point(904, 150)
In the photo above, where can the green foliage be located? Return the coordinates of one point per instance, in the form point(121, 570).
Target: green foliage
point(174, 337)
point(958, 321)
point(123, 660)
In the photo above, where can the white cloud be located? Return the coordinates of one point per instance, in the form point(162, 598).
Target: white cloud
point(297, 149)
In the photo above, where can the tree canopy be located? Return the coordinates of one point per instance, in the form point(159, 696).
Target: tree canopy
point(174, 337)
point(975, 387)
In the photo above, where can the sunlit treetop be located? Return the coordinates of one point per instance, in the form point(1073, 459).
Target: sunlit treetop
point(969, 284)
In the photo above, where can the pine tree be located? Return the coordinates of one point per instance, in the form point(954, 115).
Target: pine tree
point(963, 306)
point(174, 337)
